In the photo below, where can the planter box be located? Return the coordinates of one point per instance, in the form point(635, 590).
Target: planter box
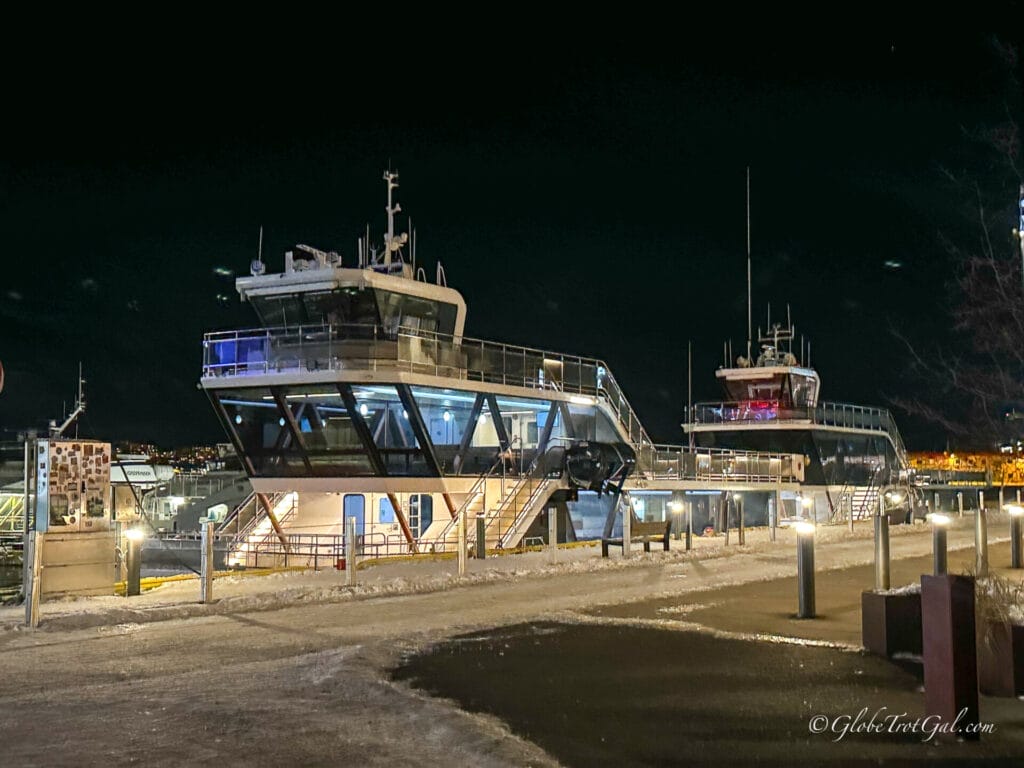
point(1001, 660)
point(891, 623)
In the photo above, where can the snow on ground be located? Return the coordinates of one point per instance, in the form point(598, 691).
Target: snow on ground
point(293, 668)
point(838, 547)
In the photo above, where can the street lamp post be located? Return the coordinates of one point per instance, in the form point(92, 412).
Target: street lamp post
point(939, 526)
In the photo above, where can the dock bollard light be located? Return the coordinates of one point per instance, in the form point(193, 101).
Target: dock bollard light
point(939, 525)
point(805, 569)
point(1016, 524)
point(677, 508)
point(133, 562)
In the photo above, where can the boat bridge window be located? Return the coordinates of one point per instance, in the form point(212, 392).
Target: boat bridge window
point(351, 306)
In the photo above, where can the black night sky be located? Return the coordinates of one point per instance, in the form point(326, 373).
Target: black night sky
point(585, 196)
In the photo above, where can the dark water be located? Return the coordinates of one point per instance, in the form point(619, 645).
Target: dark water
point(617, 695)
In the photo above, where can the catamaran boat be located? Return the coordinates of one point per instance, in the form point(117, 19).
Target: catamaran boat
point(360, 396)
point(854, 456)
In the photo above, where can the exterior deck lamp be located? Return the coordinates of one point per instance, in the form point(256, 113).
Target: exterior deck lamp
point(805, 569)
point(133, 562)
point(1016, 523)
point(940, 523)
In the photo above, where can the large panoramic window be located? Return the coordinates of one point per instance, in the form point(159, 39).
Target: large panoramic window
point(390, 427)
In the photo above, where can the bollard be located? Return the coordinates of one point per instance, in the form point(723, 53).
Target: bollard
point(133, 562)
point(627, 529)
point(462, 542)
point(742, 531)
point(34, 587)
point(689, 525)
point(553, 533)
point(350, 551)
point(960, 503)
point(481, 536)
point(881, 553)
point(805, 569)
point(981, 539)
point(725, 518)
point(206, 563)
point(939, 560)
point(773, 514)
point(1016, 518)
point(950, 651)
point(936, 497)
point(1018, 495)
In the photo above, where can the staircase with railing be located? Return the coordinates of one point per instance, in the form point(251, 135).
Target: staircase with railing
point(12, 511)
point(260, 529)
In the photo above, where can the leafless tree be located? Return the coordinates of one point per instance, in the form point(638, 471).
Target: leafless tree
point(972, 386)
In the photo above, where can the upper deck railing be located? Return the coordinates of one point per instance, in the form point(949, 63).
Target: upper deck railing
point(269, 351)
point(843, 415)
point(354, 347)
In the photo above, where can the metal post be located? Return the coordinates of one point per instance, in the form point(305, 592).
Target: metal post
point(1018, 495)
point(350, 551)
point(627, 529)
point(725, 517)
point(960, 503)
point(936, 497)
point(1000, 499)
point(1015, 540)
point(206, 564)
point(553, 533)
point(981, 539)
point(777, 511)
point(881, 553)
point(481, 536)
point(805, 570)
point(462, 541)
point(939, 547)
point(689, 525)
point(742, 532)
point(32, 587)
point(133, 561)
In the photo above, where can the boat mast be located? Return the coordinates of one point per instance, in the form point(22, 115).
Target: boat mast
point(749, 318)
point(389, 238)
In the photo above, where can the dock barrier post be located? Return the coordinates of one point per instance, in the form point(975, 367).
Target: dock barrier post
point(805, 569)
point(960, 503)
point(133, 561)
point(350, 551)
point(480, 550)
point(741, 533)
point(939, 523)
point(881, 553)
point(462, 542)
point(981, 538)
point(1016, 518)
point(553, 533)
point(205, 563)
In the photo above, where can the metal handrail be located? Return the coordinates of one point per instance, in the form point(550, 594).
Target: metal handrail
point(354, 346)
point(475, 491)
point(825, 414)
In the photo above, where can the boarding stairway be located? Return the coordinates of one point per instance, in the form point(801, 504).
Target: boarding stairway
point(509, 510)
point(259, 529)
point(12, 515)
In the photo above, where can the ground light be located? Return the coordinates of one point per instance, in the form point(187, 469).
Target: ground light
point(940, 523)
point(805, 569)
point(1016, 520)
point(133, 562)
